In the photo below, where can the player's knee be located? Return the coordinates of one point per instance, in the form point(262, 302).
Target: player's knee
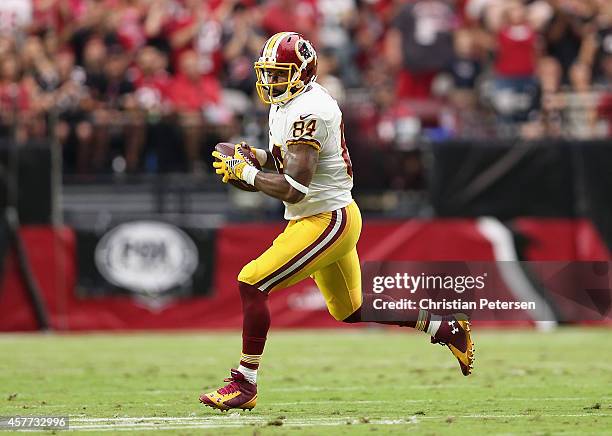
point(247, 274)
point(253, 300)
point(247, 290)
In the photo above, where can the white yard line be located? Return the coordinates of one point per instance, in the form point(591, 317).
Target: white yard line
point(243, 416)
point(419, 400)
point(355, 388)
point(411, 387)
point(297, 403)
point(235, 420)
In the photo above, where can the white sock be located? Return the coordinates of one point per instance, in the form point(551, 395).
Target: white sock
point(434, 324)
point(249, 374)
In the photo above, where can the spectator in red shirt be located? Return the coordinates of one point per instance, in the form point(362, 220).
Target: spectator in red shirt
point(516, 44)
point(195, 27)
point(191, 93)
point(516, 88)
point(151, 80)
point(420, 45)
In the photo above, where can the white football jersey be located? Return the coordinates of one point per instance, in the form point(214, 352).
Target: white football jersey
point(314, 118)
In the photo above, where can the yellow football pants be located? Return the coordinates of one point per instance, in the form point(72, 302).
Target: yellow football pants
point(321, 246)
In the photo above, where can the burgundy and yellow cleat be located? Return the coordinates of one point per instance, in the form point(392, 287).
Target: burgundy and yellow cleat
point(237, 394)
point(455, 333)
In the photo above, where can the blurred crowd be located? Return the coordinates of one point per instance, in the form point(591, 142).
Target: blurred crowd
point(149, 85)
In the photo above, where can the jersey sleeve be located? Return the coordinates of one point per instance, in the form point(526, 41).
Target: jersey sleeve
point(307, 129)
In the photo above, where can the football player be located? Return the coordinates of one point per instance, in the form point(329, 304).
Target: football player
point(311, 173)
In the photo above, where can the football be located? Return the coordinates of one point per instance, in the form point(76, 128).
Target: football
point(227, 149)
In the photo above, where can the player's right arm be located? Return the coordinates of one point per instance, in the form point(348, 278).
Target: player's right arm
point(299, 165)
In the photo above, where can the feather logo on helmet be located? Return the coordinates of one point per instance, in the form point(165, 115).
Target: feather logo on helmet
point(304, 50)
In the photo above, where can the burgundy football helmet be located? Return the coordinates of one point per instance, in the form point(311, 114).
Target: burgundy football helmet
point(288, 63)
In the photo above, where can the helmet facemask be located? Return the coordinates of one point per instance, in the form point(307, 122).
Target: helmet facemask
point(287, 64)
point(276, 92)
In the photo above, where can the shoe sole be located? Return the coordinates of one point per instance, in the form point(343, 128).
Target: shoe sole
point(249, 405)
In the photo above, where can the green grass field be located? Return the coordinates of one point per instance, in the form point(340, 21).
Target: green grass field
point(322, 382)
